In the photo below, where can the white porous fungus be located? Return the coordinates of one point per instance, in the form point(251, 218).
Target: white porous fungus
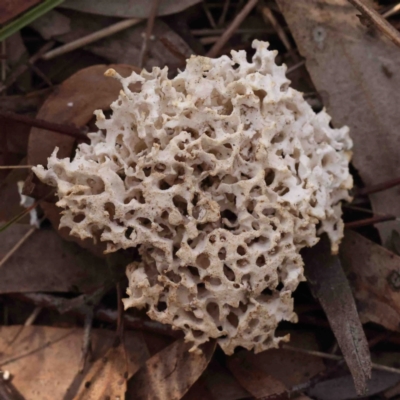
point(219, 176)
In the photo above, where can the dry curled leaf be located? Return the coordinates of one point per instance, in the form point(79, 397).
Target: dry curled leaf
point(127, 8)
point(355, 70)
point(374, 274)
point(44, 361)
point(329, 285)
point(169, 374)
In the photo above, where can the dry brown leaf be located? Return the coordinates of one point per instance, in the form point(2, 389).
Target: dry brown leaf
point(356, 72)
point(330, 286)
point(127, 8)
point(10, 9)
point(253, 379)
point(44, 361)
point(107, 377)
point(169, 374)
point(45, 262)
point(286, 366)
point(167, 48)
point(73, 102)
point(222, 384)
point(51, 24)
point(342, 388)
point(374, 274)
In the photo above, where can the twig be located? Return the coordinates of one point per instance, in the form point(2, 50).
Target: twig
point(328, 356)
point(41, 75)
point(378, 187)
point(215, 50)
point(209, 15)
point(86, 342)
point(222, 18)
point(394, 10)
point(377, 20)
point(102, 314)
point(27, 210)
point(93, 37)
point(209, 39)
point(120, 319)
point(16, 246)
point(173, 49)
point(268, 16)
point(22, 68)
point(32, 318)
point(295, 66)
point(148, 32)
point(218, 31)
point(369, 221)
point(39, 123)
point(3, 61)
point(15, 166)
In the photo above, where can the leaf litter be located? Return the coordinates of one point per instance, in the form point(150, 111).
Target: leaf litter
point(350, 70)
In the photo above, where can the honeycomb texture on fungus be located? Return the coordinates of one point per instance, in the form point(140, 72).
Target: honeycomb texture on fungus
point(220, 177)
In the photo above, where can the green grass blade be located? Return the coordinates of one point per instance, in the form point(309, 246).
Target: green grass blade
point(27, 18)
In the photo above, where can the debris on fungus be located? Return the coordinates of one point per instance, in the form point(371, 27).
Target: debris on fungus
point(220, 177)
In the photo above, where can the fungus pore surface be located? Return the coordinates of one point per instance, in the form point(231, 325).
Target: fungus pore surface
point(220, 177)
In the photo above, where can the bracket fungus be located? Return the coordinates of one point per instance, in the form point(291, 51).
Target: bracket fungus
point(219, 176)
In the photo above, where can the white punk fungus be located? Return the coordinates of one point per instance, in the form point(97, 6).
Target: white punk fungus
point(220, 177)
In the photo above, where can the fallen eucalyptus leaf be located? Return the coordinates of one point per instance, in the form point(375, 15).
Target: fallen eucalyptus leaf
point(169, 374)
point(355, 70)
point(330, 286)
point(128, 8)
point(374, 274)
point(47, 263)
point(44, 361)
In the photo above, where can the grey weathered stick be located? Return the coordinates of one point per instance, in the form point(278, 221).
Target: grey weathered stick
point(329, 285)
point(148, 32)
point(214, 51)
point(377, 21)
point(91, 38)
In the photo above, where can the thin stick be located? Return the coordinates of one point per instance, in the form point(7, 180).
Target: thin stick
point(377, 20)
point(32, 318)
point(215, 50)
point(218, 31)
point(39, 123)
point(209, 16)
point(378, 187)
point(16, 246)
point(337, 358)
point(102, 314)
point(394, 10)
point(93, 37)
point(369, 221)
point(296, 66)
point(22, 68)
point(15, 166)
point(268, 16)
point(3, 61)
point(222, 18)
point(148, 33)
point(86, 342)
